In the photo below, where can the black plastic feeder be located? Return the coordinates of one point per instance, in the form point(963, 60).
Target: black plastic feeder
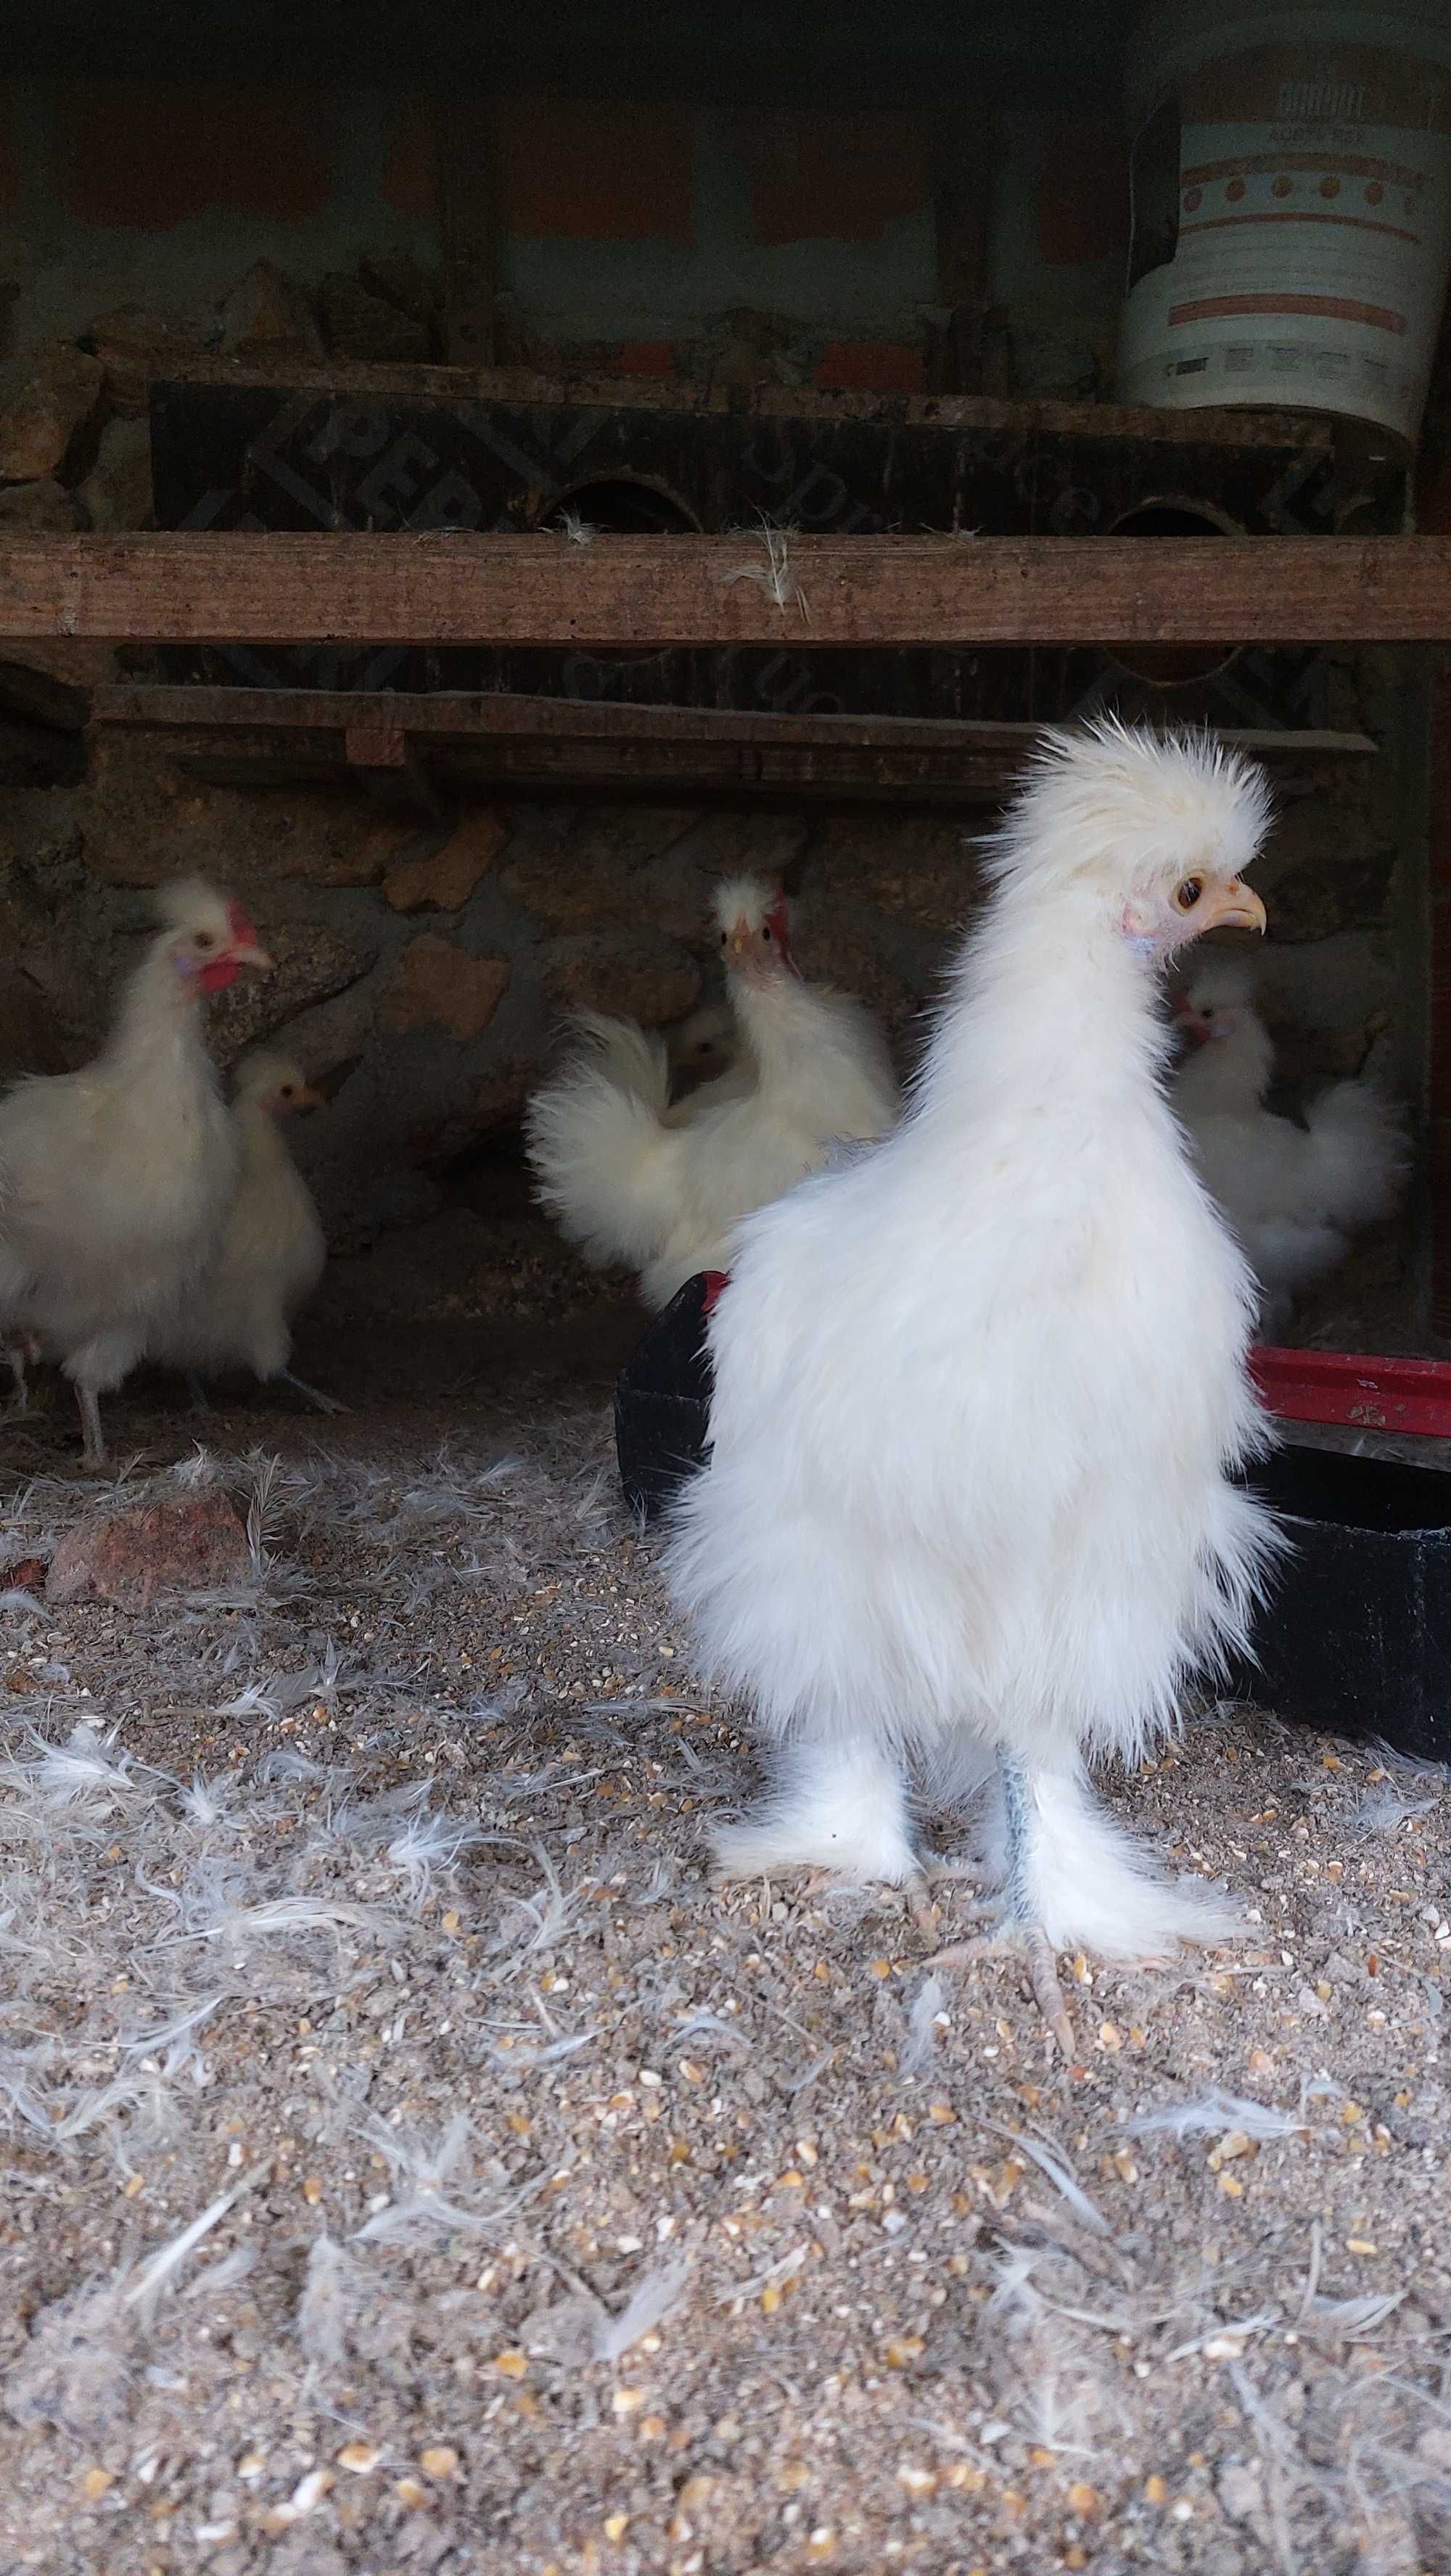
point(1355, 1639)
point(662, 1399)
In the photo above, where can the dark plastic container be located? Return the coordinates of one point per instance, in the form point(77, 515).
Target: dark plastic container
point(662, 1400)
point(1356, 1638)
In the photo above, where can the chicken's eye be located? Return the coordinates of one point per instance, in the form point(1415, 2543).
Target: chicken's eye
point(1188, 893)
point(724, 937)
point(204, 939)
point(767, 933)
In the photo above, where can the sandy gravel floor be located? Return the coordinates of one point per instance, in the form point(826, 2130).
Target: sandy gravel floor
point(411, 2162)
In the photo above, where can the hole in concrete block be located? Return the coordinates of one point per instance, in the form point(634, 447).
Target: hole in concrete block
point(1174, 666)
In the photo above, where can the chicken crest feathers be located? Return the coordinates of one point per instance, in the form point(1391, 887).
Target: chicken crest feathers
point(193, 903)
point(754, 900)
point(1131, 805)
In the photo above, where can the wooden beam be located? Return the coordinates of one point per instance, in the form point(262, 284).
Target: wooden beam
point(968, 347)
point(382, 756)
point(54, 683)
point(519, 387)
point(490, 743)
point(464, 140)
point(687, 592)
point(375, 726)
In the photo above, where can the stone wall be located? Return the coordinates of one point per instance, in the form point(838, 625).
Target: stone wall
point(423, 968)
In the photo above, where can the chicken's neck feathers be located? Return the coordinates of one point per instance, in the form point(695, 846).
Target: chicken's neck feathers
point(803, 1035)
point(156, 1038)
point(1052, 1013)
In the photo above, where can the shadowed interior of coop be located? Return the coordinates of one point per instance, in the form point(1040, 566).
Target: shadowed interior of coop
point(758, 311)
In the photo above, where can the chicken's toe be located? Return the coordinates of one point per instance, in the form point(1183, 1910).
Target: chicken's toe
point(1029, 1943)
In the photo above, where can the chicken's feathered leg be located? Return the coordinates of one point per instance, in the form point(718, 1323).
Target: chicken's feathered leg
point(314, 1394)
point(18, 1357)
point(93, 1450)
point(838, 1804)
point(1019, 1933)
point(201, 1402)
point(1073, 1879)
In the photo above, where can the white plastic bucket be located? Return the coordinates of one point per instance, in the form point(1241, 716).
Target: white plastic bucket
point(1292, 206)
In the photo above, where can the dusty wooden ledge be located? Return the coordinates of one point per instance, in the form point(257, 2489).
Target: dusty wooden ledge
point(897, 591)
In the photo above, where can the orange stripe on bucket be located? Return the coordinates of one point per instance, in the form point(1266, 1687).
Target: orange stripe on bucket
point(1338, 165)
point(1274, 215)
point(1328, 308)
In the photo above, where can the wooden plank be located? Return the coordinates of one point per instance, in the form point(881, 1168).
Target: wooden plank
point(667, 592)
point(535, 765)
point(55, 683)
point(469, 212)
point(382, 756)
point(386, 718)
point(968, 346)
point(347, 379)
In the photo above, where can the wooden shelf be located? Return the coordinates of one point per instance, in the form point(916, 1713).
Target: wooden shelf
point(1210, 427)
point(408, 748)
point(666, 592)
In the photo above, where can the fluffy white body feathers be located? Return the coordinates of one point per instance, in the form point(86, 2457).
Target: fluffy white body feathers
point(978, 1396)
point(628, 1178)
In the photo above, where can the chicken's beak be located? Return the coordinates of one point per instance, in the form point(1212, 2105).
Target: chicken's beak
point(739, 941)
point(307, 1098)
point(1231, 906)
point(249, 954)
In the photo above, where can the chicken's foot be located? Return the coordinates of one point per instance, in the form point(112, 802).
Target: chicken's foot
point(93, 1452)
point(314, 1394)
point(1029, 1943)
point(1018, 1935)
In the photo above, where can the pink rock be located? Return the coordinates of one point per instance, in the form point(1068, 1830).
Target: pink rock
point(196, 1543)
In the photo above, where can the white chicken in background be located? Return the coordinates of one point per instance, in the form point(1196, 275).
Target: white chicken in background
point(271, 1252)
point(979, 1393)
point(628, 1178)
point(117, 1177)
point(701, 1048)
point(1294, 1195)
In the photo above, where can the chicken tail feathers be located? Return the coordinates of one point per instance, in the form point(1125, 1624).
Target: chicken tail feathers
point(600, 1153)
point(1360, 1154)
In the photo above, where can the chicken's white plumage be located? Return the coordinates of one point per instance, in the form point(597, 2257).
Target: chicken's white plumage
point(631, 1178)
point(118, 1176)
point(271, 1251)
point(978, 1395)
point(1294, 1195)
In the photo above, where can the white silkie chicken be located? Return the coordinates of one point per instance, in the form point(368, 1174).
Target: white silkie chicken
point(1294, 1195)
point(702, 1047)
point(272, 1250)
point(629, 1178)
point(977, 1394)
point(117, 1177)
